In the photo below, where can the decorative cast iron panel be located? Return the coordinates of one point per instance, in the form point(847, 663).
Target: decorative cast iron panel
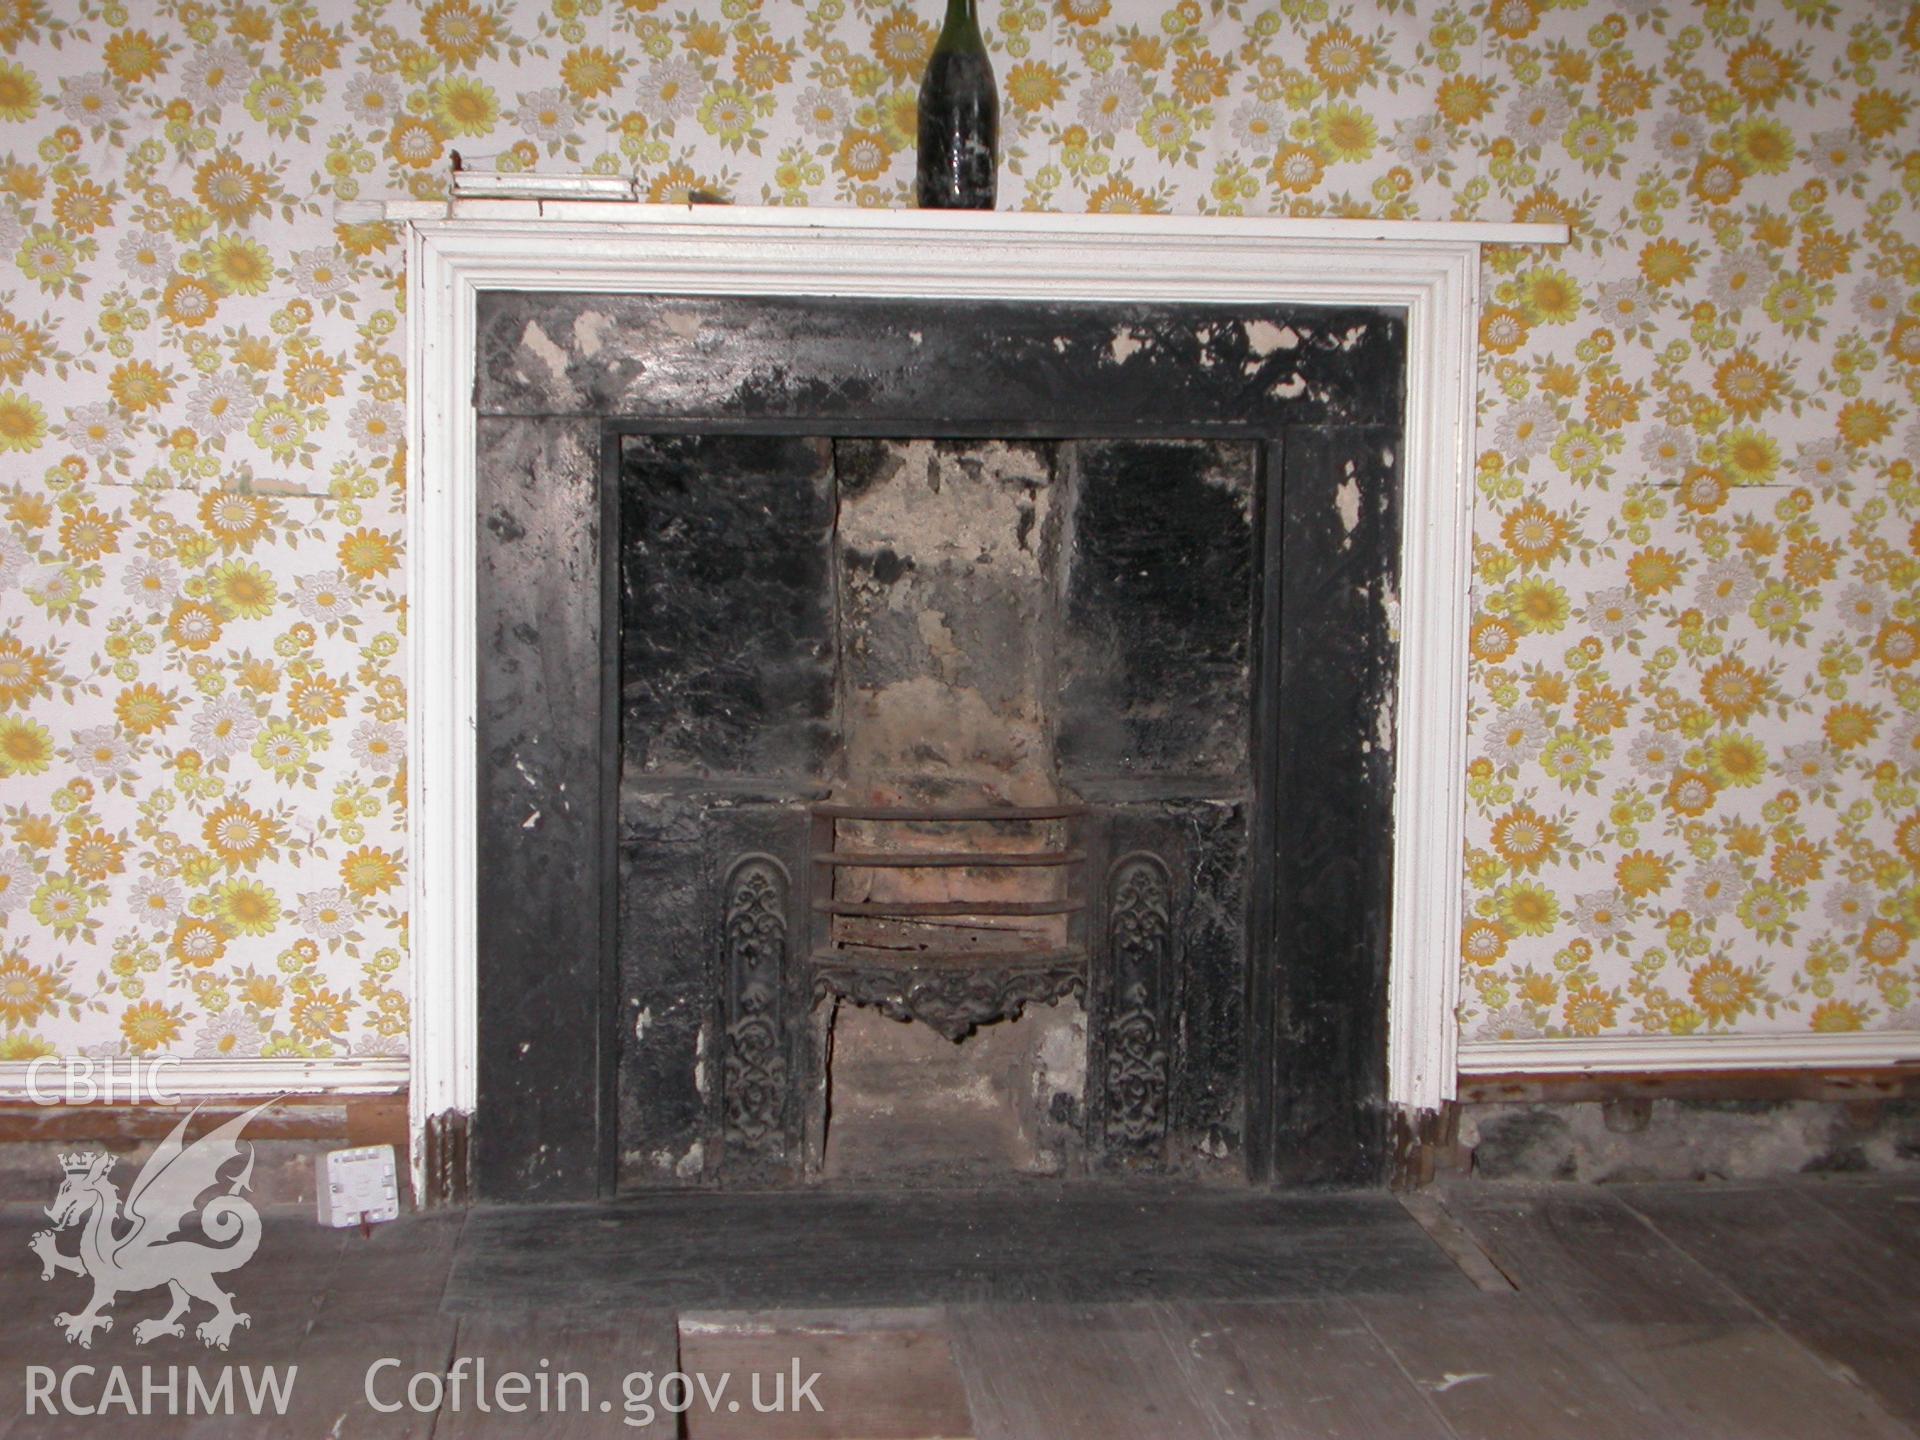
point(756, 1066)
point(1139, 959)
point(953, 999)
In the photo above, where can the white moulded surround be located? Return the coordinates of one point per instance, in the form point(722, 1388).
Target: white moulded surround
point(1625, 1054)
point(1427, 271)
point(85, 1080)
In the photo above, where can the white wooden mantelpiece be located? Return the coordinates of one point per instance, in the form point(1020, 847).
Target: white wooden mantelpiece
point(1429, 272)
point(573, 210)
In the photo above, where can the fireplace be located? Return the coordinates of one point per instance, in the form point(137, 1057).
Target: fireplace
point(813, 327)
point(956, 736)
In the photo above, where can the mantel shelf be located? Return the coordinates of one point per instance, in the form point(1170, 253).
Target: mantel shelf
point(1024, 224)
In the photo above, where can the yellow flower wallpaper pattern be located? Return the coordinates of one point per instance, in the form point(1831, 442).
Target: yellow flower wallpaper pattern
point(1695, 726)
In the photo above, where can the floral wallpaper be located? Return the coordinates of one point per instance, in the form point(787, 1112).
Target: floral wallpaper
point(1695, 726)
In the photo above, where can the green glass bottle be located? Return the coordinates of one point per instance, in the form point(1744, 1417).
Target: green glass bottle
point(959, 118)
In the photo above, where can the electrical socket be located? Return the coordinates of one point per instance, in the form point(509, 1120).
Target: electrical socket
point(357, 1186)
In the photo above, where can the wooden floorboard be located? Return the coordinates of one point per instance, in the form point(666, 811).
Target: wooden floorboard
point(1297, 1370)
point(604, 1349)
point(276, 1290)
point(1074, 1372)
point(1452, 1237)
point(1699, 1351)
point(1836, 1288)
point(1499, 1367)
point(881, 1375)
point(384, 1303)
point(1642, 1312)
point(283, 1290)
point(1062, 1246)
point(1886, 1213)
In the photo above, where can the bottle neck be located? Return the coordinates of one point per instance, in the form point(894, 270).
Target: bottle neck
point(962, 27)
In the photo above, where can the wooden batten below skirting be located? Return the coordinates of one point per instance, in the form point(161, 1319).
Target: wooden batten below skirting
point(299, 1127)
point(287, 1137)
point(447, 1163)
point(1428, 1143)
point(1423, 1142)
point(354, 1120)
point(1849, 1084)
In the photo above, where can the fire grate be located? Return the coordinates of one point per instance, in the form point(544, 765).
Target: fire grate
point(953, 962)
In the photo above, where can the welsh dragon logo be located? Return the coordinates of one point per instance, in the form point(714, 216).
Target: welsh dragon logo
point(137, 1246)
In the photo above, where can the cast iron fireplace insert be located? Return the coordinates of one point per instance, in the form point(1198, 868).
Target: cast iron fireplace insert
point(670, 599)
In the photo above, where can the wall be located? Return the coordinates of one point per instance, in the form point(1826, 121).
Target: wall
point(1696, 727)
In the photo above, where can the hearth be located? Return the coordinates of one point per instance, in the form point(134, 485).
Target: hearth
point(927, 742)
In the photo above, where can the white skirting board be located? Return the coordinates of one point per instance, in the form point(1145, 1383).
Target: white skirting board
point(194, 1080)
point(1627, 1054)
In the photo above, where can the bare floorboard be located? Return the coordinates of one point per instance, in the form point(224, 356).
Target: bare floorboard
point(883, 1375)
point(1888, 1213)
point(1788, 1311)
point(1858, 1307)
point(384, 1304)
point(1696, 1349)
point(277, 1290)
point(283, 1289)
point(1074, 1372)
point(1298, 1370)
point(28, 1339)
point(1451, 1236)
point(543, 1346)
point(1499, 1367)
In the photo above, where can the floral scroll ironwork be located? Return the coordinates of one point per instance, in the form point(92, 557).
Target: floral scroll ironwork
point(1139, 963)
point(756, 943)
point(954, 1000)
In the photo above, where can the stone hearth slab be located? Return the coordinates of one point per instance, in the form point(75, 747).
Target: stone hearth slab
point(761, 1250)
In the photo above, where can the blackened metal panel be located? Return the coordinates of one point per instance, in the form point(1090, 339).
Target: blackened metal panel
point(726, 617)
point(1262, 1018)
point(757, 947)
point(757, 1070)
point(727, 709)
point(538, 1130)
point(699, 1095)
point(1142, 957)
point(667, 1007)
point(1210, 1083)
point(1155, 660)
point(945, 367)
point(1334, 804)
